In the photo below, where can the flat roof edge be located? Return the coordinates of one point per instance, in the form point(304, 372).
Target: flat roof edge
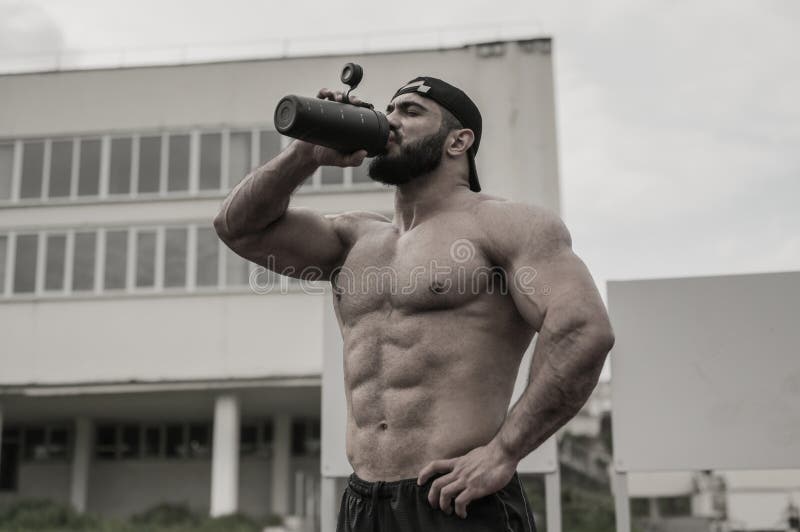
point(122, 63)
point(144, 386)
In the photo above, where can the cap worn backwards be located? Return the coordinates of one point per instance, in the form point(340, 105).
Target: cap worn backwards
point(459, 104)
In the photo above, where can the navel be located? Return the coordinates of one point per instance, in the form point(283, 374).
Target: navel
point(437, 287)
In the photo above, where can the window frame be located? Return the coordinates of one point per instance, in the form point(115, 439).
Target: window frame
point(48, 429)
point(133, 167)
point(106, 138)
point(128, 288)
point(66, 276)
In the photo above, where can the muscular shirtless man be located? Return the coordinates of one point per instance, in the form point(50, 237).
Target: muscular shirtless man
point(430, 361)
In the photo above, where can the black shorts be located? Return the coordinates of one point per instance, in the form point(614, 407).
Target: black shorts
point(402, 506)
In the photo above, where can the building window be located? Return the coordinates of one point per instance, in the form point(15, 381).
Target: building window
point(149, 164)
point(305, 437)
point(332, 175)
point(256, 439)
point(89, 168)
point(270, 145)
point(25, 264)
point(145, 258)
point(207, 257)
point(35, 447)
point(178, 174)
point(116, 259)
point(360, 173)
point(60, 169)
point(248, 439)
point(55, 255)
point(239, 157)
point(188, 441)
point(175, 257)
point(32, 166)
point(9, 462)
point(45, 443)
point(3, 244)
point(153, 163)
point(80, 262)
point(119, 172)
point(83, 261)
point(675, 506)
point(106, 442)
point(152, 442)
point(210, 161)
point(58, 443)
point(640, 507)
point(176, 443)
point(199, 440)
point(6, 170)
point(129, 441)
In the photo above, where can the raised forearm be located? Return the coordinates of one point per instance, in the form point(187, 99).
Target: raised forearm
point(263, 196)
point(567, 362)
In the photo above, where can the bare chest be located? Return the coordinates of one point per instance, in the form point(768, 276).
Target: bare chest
point(435, 267)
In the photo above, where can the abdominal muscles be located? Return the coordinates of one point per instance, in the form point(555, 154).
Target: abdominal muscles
point(424, 387)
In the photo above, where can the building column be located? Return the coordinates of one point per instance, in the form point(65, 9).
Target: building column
point(79, 488)
point(225, 456)
point(281, 463)
point(653, 513)
point(330, 494)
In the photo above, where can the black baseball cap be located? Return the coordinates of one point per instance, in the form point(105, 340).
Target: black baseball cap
point(459, 104)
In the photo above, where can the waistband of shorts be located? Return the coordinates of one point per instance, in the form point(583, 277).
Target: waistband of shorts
point(384, 489)
point(379, 488)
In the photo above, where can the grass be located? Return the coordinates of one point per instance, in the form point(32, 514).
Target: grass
point(38, 515)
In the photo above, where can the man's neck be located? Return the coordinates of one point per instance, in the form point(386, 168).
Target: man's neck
point(423, 197)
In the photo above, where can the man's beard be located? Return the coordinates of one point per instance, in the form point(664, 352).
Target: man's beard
point(415, 159)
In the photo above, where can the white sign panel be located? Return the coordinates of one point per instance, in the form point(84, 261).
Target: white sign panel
point(706, 372)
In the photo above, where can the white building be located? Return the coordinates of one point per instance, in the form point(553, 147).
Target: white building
point(137, 366)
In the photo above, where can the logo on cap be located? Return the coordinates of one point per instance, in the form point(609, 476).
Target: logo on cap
point(421, 87)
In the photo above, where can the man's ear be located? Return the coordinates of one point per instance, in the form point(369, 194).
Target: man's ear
point(461, 142)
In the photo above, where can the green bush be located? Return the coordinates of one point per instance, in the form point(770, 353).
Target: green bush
point(180, 518)
point(272, 520)
point(585, 510)
point(43, 514)
point(167, 515)
point(230, 523)
point(34, 515)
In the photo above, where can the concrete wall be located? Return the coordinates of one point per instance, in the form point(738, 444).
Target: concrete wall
point(125, 487)
point(50, 480)
point(161, 339)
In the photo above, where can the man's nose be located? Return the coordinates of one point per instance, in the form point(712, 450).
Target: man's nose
point(394, 123)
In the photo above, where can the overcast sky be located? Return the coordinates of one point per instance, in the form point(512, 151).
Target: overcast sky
point(678, 121)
